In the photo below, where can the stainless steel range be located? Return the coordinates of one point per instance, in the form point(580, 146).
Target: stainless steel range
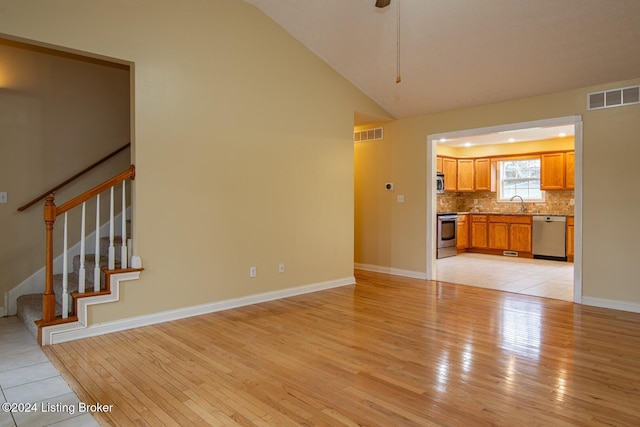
point(447, 235)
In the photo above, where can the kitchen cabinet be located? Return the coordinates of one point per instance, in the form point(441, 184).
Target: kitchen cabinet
point(498, 235)
point(569, 170)
point(520, 237)
point(484, 175)
point(465, 175)
point(552, 170)
point(479, 231)
point(450, 170)
point(510, 232)
point(463, 232)
point(439, 165)
point(570, 237)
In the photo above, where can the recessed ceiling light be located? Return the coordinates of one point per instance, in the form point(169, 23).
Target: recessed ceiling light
point(562, 134)
point(443, 139)
point(512, 140)
point(468, 144)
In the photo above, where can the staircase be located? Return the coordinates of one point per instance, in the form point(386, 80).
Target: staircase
point(30, 305)
point(63, 305)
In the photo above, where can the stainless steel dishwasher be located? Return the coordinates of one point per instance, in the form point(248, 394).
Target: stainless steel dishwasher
point(549, 241)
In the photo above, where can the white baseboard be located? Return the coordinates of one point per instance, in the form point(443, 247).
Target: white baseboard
point(613, 304)
point(389, 270)
point(72, 331)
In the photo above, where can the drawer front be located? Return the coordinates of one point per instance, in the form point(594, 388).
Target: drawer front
point(511, 219)
point(478, 218)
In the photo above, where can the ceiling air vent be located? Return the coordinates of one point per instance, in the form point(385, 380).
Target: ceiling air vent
point(614, 98)
point(368, 135)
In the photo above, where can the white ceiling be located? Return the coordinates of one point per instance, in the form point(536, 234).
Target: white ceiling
point(511, 136)
point(460, 53)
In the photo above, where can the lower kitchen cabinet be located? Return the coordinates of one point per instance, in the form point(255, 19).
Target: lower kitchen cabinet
point(479, 231)
point(510, 232)
point(520, 237)
point(463, 232)
point(570, 238)
point(498, 235)
point(494, 234)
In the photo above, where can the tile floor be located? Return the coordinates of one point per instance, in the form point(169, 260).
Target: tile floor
point(550, 279)
point(27, 376)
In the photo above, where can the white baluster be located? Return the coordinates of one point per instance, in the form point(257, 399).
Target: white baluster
point(96, 270)
point(65, 268)
point(81, 270)
point(129, 249)
point(123, 248)
point(112, 248)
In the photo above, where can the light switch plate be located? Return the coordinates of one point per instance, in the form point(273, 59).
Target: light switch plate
point(3, 197)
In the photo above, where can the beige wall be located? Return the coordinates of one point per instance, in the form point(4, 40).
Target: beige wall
point(393, 235)
point(243, 146)
point(58, 114)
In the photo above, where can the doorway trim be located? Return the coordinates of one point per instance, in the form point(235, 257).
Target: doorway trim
point(432, 200)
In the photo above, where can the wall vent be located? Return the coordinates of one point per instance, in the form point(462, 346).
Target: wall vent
point(614, 98)
point(509, 253)
point(368, 135)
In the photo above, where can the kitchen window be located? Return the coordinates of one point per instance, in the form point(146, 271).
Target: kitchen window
point(520, 177)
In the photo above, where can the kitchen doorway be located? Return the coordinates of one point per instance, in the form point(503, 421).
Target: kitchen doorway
point(506, 132)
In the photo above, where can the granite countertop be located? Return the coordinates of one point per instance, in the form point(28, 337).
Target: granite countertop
point(517, 213)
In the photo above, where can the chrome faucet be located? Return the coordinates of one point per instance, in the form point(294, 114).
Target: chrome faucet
point(523, 209)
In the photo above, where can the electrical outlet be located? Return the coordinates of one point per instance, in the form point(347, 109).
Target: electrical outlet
point(281, 267)
point(3, 197)
point(253, 272)
point(400, 198)
point(572, 202)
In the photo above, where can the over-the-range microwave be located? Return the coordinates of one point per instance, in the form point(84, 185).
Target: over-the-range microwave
point(439, 183)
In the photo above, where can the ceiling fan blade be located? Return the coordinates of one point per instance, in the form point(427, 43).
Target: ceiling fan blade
point(383, 3)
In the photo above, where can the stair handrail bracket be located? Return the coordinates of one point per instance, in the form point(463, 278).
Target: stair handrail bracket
point(51, 212)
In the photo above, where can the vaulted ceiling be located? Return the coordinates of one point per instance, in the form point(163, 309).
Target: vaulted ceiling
point(460, 53)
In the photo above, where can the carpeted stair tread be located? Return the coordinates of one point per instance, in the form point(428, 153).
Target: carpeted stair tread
point(29, 307)
point(30, 310)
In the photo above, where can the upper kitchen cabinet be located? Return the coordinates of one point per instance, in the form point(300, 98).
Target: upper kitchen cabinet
point(485, 175)
point(450, 170)
point(439, 165)
point(557, 171)
point(552, 171)
point(465, 175)
point(569, 160)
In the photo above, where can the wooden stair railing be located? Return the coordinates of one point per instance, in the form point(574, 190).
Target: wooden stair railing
point(51, 213)
point(74, 177)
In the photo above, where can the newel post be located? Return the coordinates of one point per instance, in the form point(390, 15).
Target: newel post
point(49, 297)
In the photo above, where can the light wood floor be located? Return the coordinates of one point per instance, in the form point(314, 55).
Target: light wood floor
point(388, 351)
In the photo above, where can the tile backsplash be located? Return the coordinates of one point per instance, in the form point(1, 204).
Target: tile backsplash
point(556, 202)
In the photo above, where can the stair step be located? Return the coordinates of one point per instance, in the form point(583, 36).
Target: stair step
point(89, 264)
point(30, 310)
point(104, 246)
point(29, 307)
point(73, 282)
